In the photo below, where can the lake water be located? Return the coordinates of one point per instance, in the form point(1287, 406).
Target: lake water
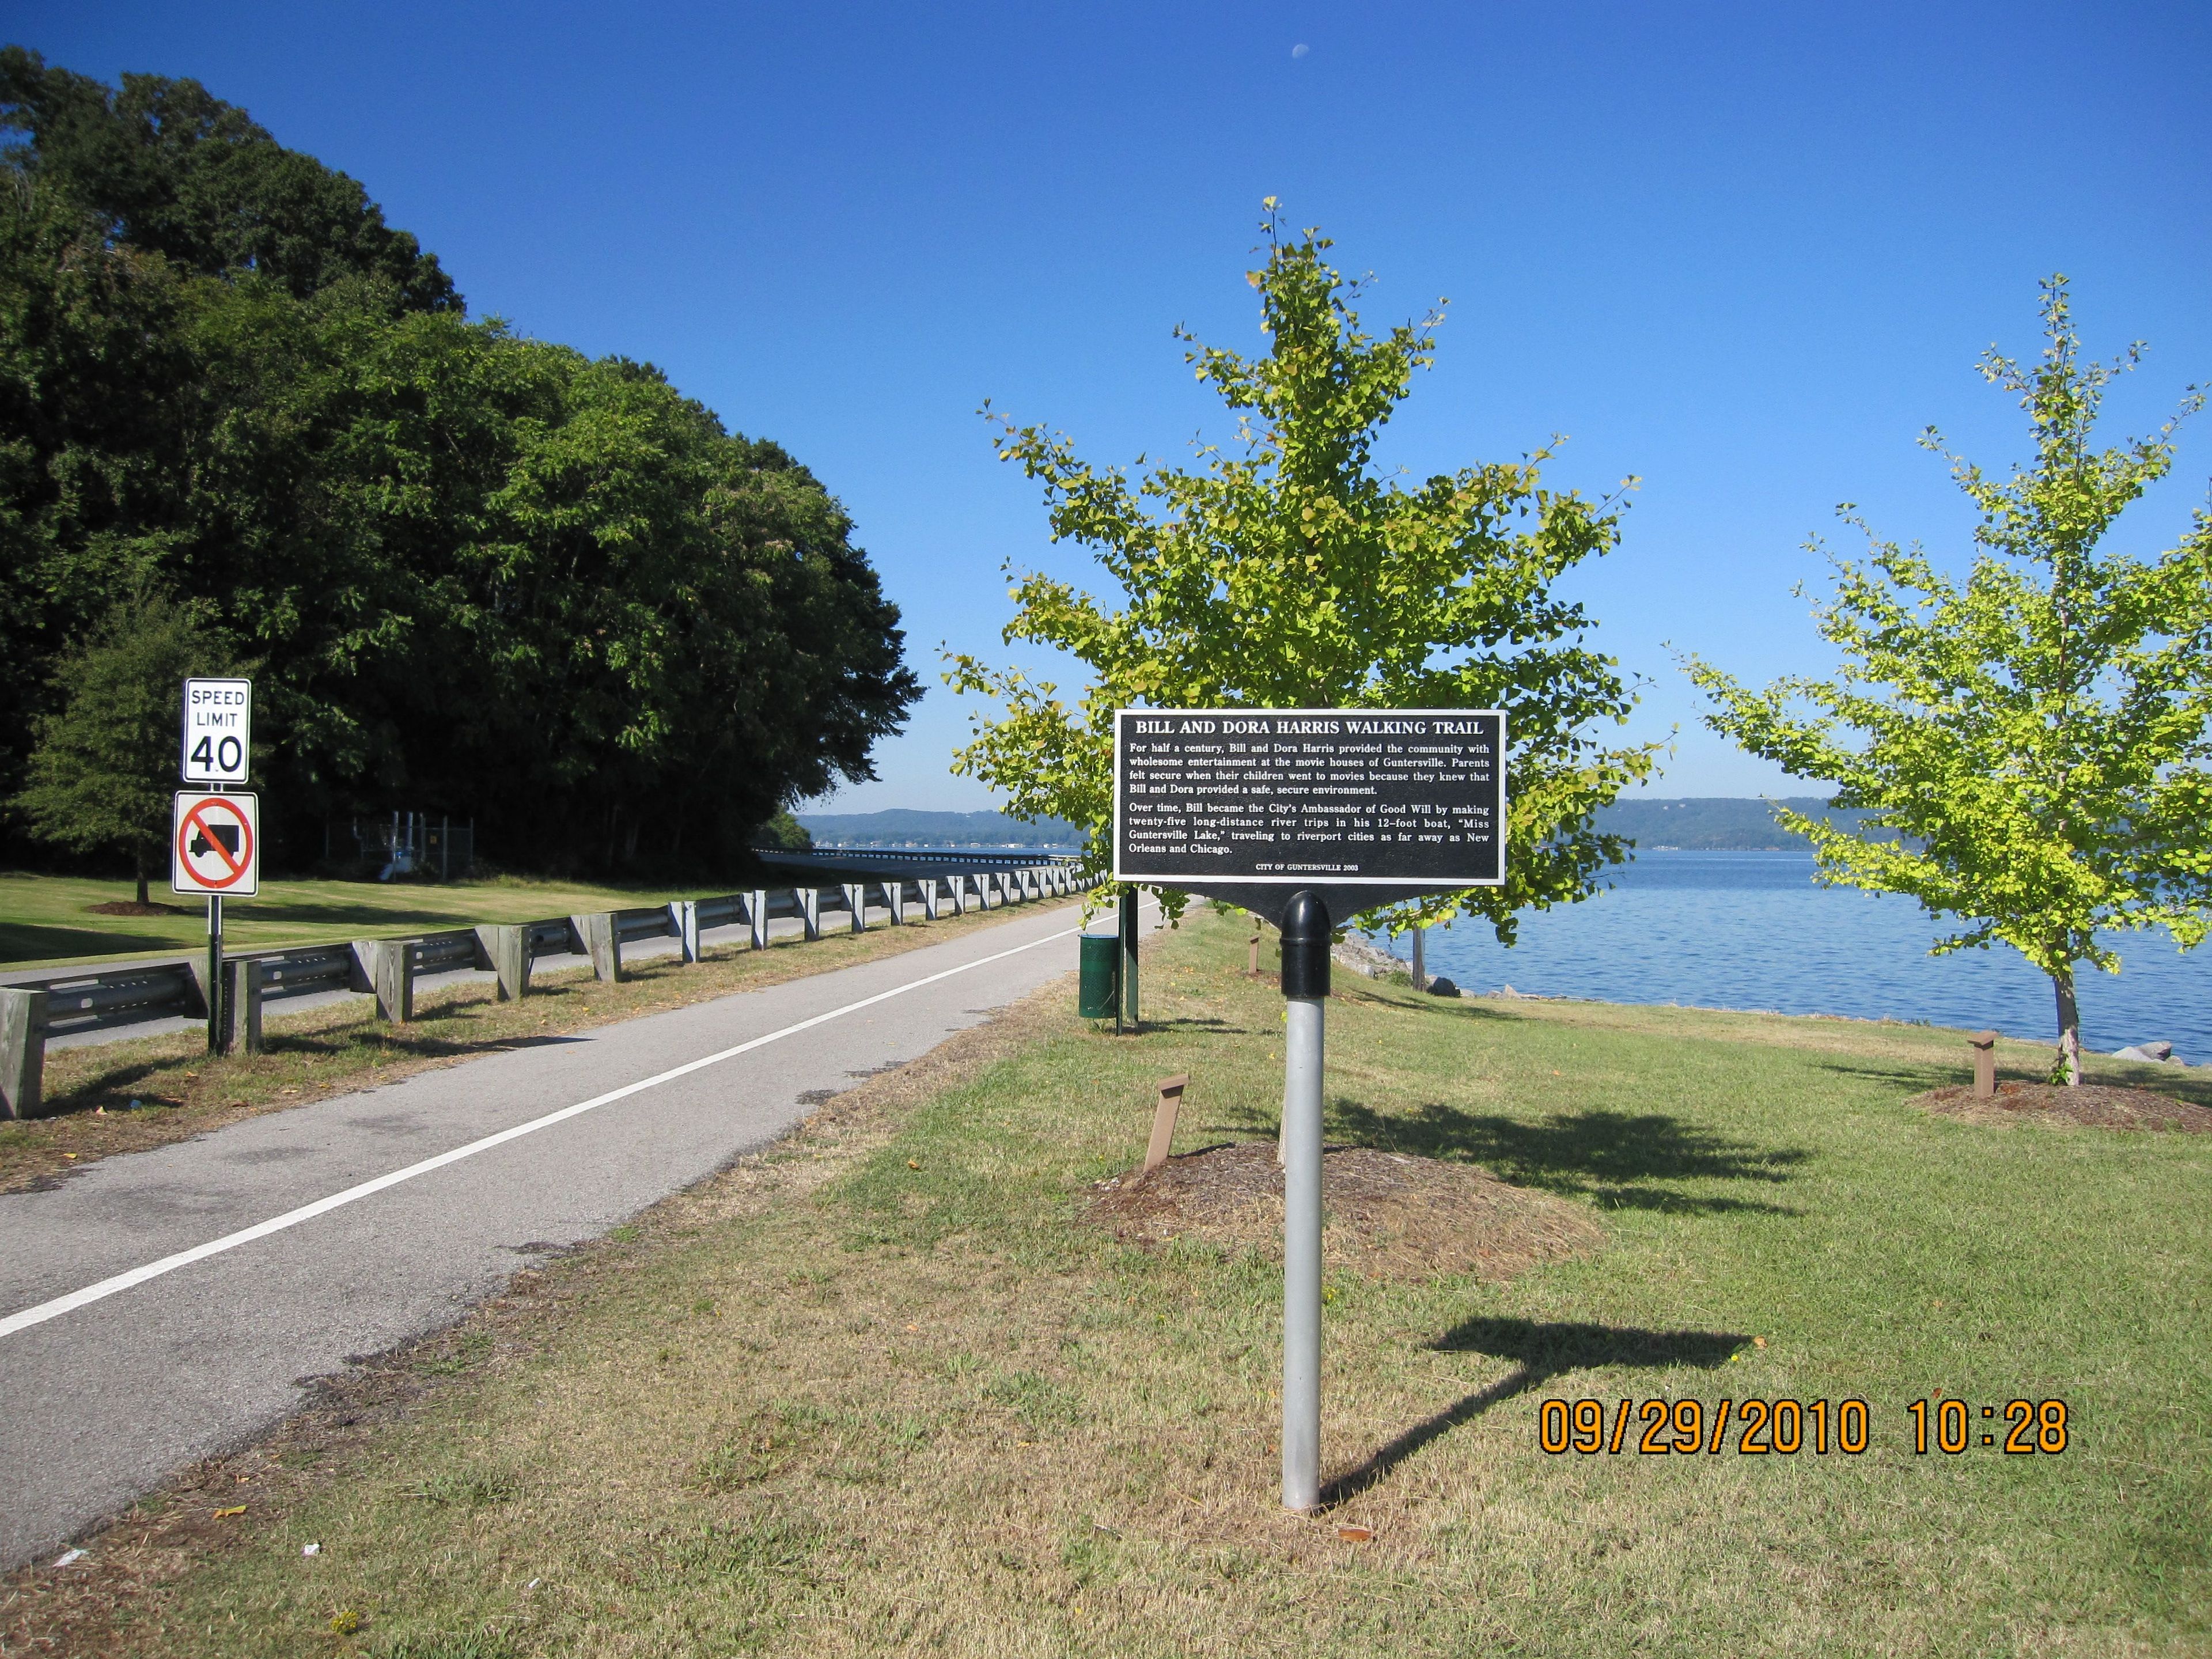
point(1752, 930)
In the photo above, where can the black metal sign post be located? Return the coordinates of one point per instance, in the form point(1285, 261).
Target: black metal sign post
point(215, 986)
point(1308, 816)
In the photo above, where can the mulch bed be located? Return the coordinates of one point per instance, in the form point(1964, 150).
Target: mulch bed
point(2098, 1105)
point(1388, 1215)
point(132, 908)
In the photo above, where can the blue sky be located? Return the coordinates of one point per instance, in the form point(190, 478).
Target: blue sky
point(1745, 253)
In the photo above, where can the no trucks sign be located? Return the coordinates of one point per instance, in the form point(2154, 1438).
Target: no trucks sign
point(214, 845)
point(1364, 805)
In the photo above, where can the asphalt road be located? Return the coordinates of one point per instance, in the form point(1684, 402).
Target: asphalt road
point(106, 1386)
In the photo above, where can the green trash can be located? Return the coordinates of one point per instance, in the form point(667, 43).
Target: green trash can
point(1102, 976)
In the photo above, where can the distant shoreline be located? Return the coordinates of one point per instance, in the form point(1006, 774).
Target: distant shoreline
point(1689, 823)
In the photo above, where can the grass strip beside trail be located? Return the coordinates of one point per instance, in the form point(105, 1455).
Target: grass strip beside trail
point(140, 1092)
point(51, 919)
point(883, 1391)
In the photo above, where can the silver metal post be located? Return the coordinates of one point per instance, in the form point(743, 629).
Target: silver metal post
point(1302, 1144)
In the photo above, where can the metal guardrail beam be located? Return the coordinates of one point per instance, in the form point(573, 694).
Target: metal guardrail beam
point(73, 1000)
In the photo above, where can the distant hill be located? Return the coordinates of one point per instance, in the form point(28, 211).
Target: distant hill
point(1716, 823)
point(1704, 823)
point(901, 828)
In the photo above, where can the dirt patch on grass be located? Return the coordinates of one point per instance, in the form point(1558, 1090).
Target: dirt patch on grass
point(1388, 1216)
point(2097, 1105)
point(132, 908)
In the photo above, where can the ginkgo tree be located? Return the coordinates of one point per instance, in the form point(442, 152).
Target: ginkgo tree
point(1291, 573)
point(2033, 736)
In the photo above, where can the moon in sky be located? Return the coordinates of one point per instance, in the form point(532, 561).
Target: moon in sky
point(1300, 50)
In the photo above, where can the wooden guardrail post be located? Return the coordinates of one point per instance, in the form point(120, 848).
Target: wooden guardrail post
point(596, 937)
point(389, 972)
point(1985, 1064)
point(241, 1007)
point(856, 901)
point(506, 951)
point(683, 918)
point(197, 1002)
point(958, 883)
point(23, 1052)
point(1163, 1120)
point(757, 917)
point(929, 898)
point(810, 910)
point(895, 899)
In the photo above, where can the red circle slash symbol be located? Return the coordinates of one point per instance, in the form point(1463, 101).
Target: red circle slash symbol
point(232, 843)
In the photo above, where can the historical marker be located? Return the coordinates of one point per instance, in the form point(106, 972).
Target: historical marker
point(218, 731)
point(1408, 800)
point(1308, 816)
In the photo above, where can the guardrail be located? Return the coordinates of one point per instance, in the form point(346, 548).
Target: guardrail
point(73, 1000)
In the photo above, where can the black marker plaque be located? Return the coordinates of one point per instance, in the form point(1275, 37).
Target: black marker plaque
point(1392, 803)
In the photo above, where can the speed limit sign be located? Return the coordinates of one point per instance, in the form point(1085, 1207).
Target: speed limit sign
point(218, 731)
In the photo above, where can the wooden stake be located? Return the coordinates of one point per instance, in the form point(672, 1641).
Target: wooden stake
point(1163, 1120)
point(1985, 1064)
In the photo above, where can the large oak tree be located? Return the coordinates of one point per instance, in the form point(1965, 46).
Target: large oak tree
point(483, 575)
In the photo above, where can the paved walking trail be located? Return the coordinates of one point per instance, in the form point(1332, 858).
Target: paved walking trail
point(119, 1362)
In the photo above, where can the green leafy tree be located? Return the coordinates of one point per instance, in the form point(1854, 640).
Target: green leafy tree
point(2037, 733)
point(1290, 574)
point(170, 168)
point(483, 575)
point(105, 765)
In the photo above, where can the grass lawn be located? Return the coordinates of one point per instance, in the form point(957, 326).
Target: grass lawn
point(881, 1391)
point(50, 918)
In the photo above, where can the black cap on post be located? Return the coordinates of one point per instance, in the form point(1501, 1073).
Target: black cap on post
point(1305, 944)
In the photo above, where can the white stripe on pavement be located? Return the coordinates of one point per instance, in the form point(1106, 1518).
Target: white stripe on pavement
point(168, 1264)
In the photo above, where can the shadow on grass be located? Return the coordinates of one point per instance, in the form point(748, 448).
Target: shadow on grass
point(1898, 1075)
point(1437, 1007)
point(2186, 1084)
point(116, 1087)
point(30, 941)
point(1540, 1352)
point(322, 913)
point(1212, 1024)
point(1609, 1157)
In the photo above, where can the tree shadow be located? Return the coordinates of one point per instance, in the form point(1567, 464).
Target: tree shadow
point(1898, 1075)
point(1434, 1007)
point(1540, 1352)
point(431, 917)
point(2185, 1083)
point(115, 1087)
point(1606, 1156)
point(30, 941)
